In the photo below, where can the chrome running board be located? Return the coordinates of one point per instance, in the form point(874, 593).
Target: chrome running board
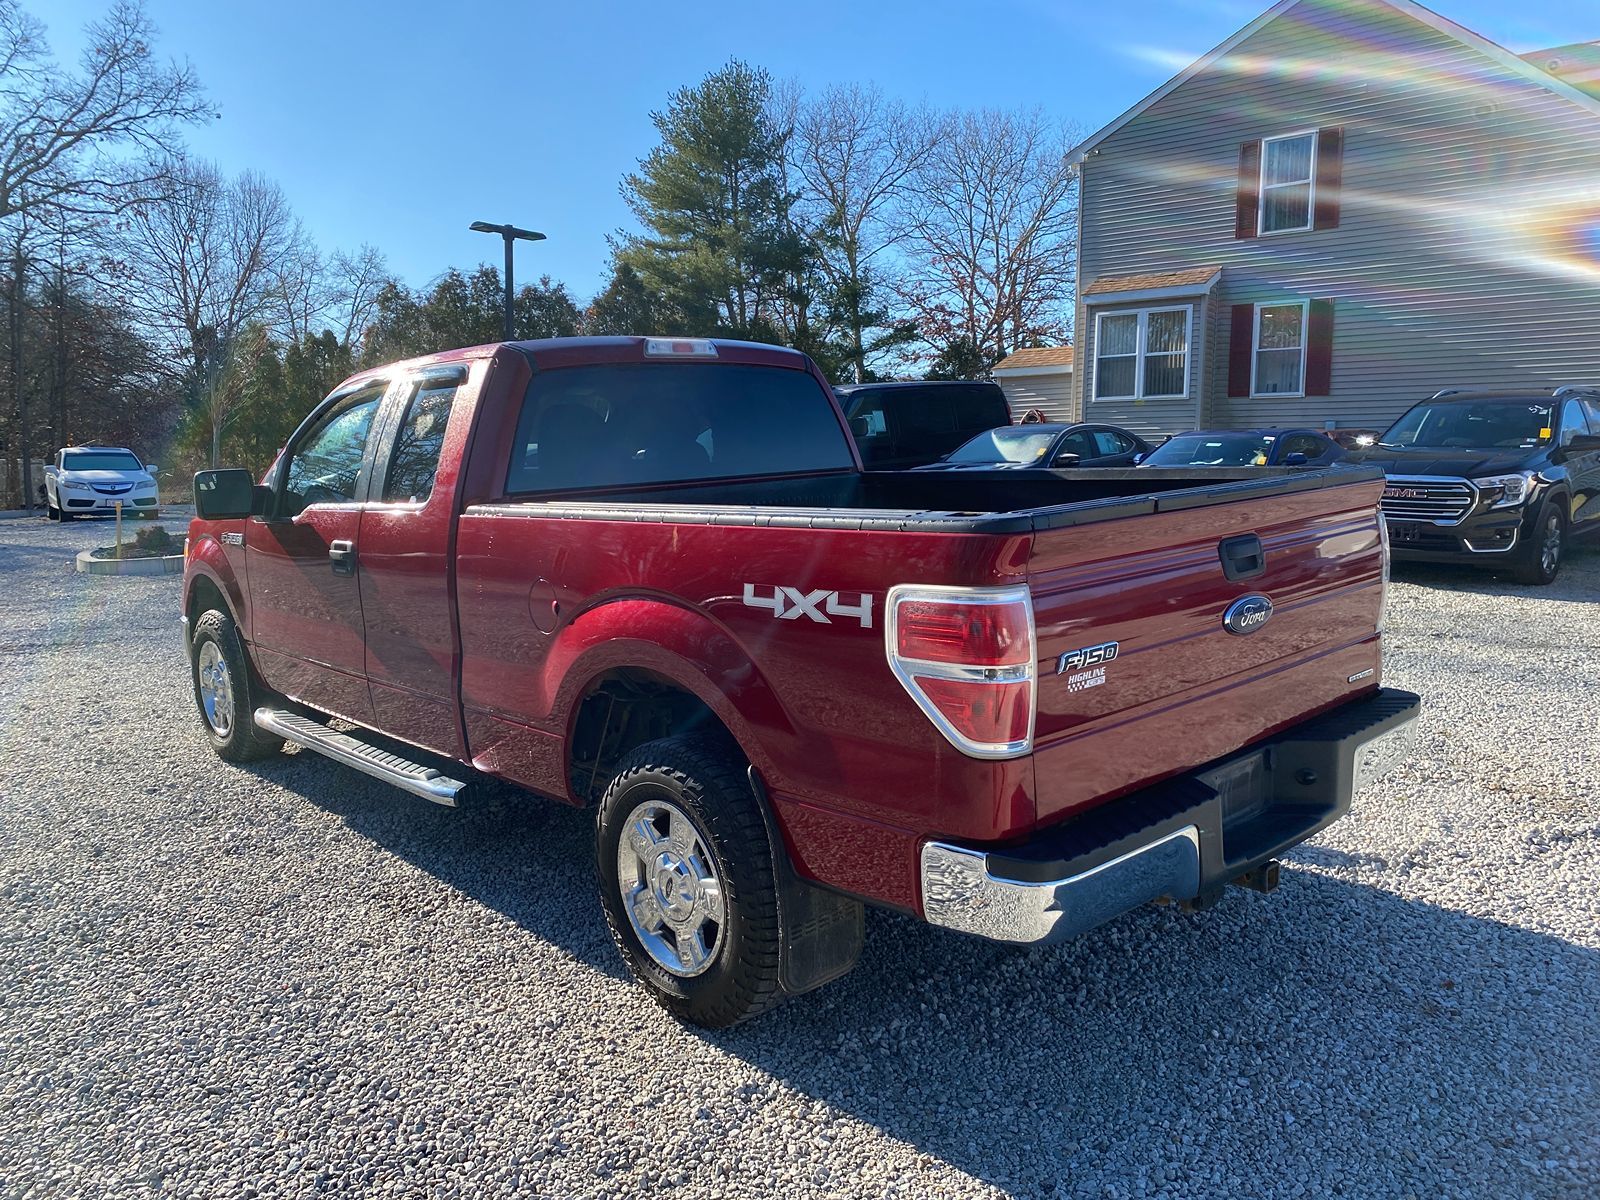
point(363, 756)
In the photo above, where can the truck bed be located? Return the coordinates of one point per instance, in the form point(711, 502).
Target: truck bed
point(1129, 557)
point(1000, 502)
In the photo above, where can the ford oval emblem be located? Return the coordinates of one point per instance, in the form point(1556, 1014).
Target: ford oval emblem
point(1247, 614)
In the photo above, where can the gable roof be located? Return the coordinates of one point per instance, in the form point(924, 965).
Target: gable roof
point(1512, 62)
point(1577, 64)
point(1042, 356)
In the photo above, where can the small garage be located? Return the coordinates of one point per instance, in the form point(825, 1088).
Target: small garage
point(1039, 379)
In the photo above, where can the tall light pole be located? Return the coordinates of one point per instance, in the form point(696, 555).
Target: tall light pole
point(510, 233)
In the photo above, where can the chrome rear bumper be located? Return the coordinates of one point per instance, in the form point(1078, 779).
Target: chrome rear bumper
point(1183, 840)
point(959, 892)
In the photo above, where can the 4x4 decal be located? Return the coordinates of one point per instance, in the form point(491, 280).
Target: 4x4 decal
point(789, 604)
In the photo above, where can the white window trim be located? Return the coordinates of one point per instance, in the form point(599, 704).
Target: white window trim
point(1311, 193)
point(1255, 349)
point(1140, 352)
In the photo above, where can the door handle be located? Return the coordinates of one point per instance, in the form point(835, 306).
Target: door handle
point(342, 557)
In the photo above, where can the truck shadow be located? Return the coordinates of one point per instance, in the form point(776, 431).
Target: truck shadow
point(1241, 1042)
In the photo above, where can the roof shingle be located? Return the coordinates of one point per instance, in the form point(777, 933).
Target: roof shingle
point(1196, 277)
point(1043, 356)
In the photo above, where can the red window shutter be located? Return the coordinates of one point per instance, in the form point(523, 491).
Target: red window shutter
point(1319, 349)
point(1330, 176)
point(1247, 214)
point(1241, 348)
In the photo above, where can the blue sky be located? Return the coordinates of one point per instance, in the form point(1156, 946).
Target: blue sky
point(401, 123)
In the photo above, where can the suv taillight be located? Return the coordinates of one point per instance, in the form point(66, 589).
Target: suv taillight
point(966, 656)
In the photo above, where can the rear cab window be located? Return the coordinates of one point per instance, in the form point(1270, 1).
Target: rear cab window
point(627, 424)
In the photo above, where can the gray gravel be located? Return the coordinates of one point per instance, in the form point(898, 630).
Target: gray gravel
point(292, 980)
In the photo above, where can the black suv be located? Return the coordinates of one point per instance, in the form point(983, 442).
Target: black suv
point(901, 425)
point(1493, 478)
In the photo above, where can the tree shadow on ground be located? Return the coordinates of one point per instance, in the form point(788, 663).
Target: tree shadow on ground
point(1333, 1037)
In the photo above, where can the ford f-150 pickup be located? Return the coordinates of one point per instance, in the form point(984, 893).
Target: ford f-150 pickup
point(649, 575)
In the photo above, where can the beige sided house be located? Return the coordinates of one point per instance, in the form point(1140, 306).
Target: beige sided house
point(1344, 208)
point(1038, 380)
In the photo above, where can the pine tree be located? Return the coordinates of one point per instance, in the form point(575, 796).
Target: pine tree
point(717, 245)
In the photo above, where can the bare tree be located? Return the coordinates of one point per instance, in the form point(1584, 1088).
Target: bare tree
point(224, 390)
point(301, 288)
point(64, 140)
point(989, 224)
point(64, 135)
point(207, 259)
point(857, 154)
point(354, 283)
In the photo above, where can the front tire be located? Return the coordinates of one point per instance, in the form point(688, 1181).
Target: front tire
point(1545, 555)
point(686, 880)
point(225, 692)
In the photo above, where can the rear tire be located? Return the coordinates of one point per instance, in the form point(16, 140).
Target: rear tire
point(686, 880)
point(1548, 549)
point(225, 691)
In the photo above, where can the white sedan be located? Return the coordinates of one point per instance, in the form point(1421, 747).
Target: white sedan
point(92, 479)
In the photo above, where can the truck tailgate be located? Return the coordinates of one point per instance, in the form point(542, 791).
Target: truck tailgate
point(1143, 599)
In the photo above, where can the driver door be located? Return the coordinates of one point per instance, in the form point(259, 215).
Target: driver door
point(305, 592)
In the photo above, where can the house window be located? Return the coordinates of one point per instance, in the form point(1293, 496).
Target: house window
point(1288, 171)
point(1280, 350)
point(1142, 355)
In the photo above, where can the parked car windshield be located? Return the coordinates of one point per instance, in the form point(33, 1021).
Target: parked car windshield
point(1473, 425)
point(102, 460)
point(1212, 450)
point(1017, 444)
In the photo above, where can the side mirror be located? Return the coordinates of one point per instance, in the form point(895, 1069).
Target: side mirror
point(1067, 459)
point(150, 469)
point(1295, 459)
point(1138, 458)
point(1583, 443)
point(859, 428)
point(224, 495)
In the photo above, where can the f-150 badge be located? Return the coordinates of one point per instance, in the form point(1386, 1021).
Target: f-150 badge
point(1085, 668)
point(790, 604)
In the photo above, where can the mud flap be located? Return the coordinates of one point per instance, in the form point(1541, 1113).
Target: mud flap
point(821, 932)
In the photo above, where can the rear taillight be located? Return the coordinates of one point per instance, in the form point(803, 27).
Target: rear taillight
point(966, 656)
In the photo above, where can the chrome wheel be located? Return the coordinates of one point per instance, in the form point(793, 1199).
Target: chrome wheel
point(670, 888)
point(216, 688)
point(1550, 550)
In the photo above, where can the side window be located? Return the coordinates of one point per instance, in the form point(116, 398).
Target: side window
point(1592, 406)
point(1572, 423)
point(415, 459)
point(1108, 442)
point(919, 414)
point(325, 466)
point(980, 408)
point(867, 418)
point(1302, 443)
point(1080, 443)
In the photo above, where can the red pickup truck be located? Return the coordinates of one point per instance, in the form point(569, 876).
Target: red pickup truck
point(649, 575)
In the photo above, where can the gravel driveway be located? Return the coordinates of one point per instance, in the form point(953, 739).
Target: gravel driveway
point(292, 980)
